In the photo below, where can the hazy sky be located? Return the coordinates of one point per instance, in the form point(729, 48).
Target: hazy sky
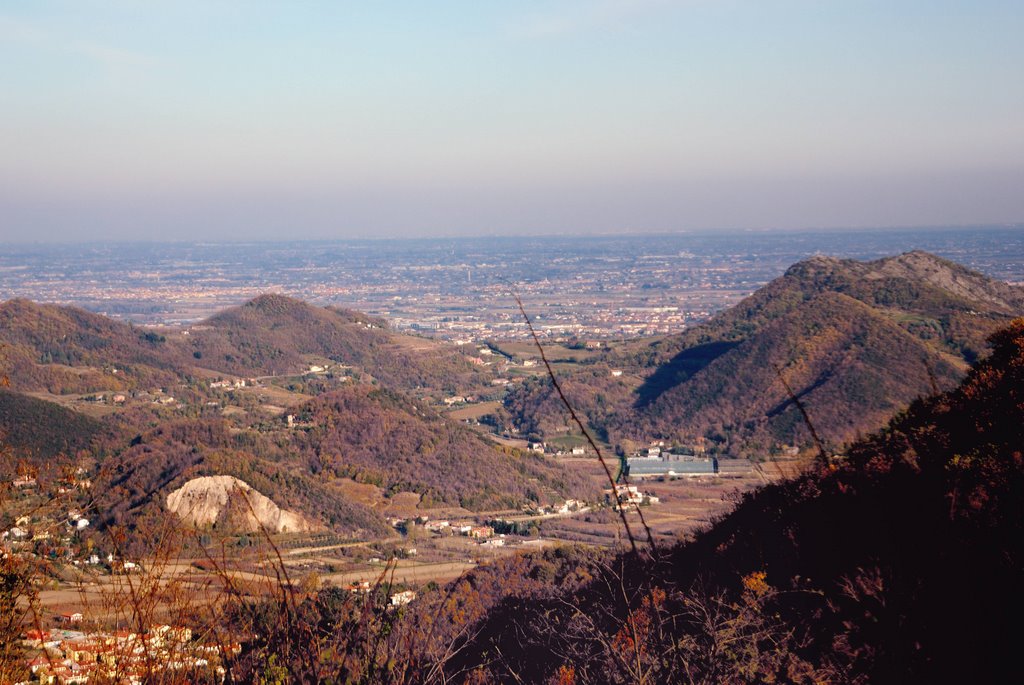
point(206, 118)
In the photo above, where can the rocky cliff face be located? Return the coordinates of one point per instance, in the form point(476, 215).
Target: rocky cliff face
point(228, 501)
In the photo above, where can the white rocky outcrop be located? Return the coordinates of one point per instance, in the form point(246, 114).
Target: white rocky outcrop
point(228, 500)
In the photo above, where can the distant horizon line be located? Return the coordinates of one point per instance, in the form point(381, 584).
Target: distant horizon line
point(513, 236)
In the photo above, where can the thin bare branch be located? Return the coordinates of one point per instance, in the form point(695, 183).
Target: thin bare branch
point(586, 433)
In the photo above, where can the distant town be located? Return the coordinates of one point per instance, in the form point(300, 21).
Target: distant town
point(593, 288)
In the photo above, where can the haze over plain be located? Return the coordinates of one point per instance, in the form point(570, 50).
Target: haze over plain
point(229, 120)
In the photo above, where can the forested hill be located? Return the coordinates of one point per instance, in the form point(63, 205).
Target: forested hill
point(321, 397)
point(133, 484)
point(952, 304)
point(67, 350)
point(380, 437)
point(854, 340)
point(373, 436)
point(64, 350)
point(899, 564)
point(36, 431)
point(273, 334)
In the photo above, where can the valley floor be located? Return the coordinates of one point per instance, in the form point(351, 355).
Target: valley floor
point(403, 560)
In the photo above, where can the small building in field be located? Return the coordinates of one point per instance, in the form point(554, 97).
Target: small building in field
point(671, 465)
point(402, 598)
point(360, 587)
point(624, 494)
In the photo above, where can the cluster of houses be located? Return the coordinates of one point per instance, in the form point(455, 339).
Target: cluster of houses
point(318, 369)
point(70, 481)
point(239, 383)
point(484, 354)
point(232, 383)
point(444, 527)
point(402, 598)
point(481, 353)
point(124, 656)
point(155, 396)
point(544, 448)
point(27, 479)
point(467, 529)
point(569, 506)
point(395, 599)
point(459, 399)
point(100, 397)
point(23, 538)
point(53, 535)
point(624, 496)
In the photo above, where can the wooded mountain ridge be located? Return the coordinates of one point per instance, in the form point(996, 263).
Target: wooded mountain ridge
point(855, 341)
point(370, 420)
point(67, 350)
